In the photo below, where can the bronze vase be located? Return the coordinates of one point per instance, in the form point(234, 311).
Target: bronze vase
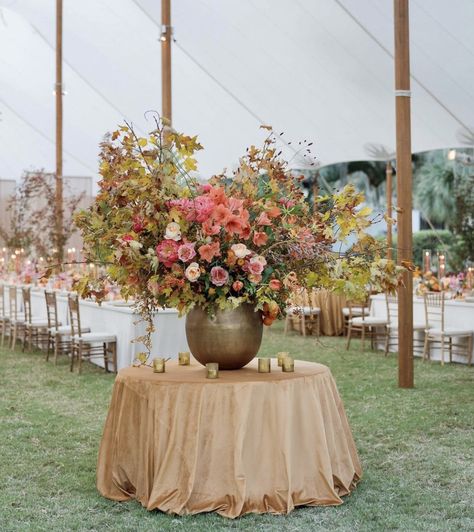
point(230, 337)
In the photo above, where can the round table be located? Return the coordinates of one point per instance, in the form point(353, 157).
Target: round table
point(245, 442)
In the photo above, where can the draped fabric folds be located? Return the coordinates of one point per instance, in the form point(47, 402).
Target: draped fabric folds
point(246, 442)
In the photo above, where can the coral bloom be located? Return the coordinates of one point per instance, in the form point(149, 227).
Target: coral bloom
point(186, 252)
point(192, 272)
point(263, 219)
point(221, 214)
point(210, 228)
point(237, 286)
point(275, 284)
point(260, 238)
point(273, 212)
point(234, 225)
point(219, 276)
point(218, 196)
point(209, 251)
point(167, 252)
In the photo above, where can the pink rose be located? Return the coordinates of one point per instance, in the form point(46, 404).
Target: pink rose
point(255, 265)
point(167, 252)
point(186, 252)
point(127, 238)
point(219, 276)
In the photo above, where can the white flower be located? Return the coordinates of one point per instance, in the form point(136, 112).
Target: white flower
point(260, 259)
point(192, 272)
point(173, 231)
point(135, 245)
point(240, 250)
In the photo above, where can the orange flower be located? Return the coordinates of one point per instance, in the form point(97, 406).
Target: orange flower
point(275, 284)
point(209, 251)
point(273, 212)
point(260, 238)
point(221, 214)
point(263, 219)
point(218, 196)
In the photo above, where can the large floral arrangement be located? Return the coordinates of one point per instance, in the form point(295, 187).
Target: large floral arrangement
point(169, 240)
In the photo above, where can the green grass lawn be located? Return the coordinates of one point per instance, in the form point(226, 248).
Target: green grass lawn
point(416, 447)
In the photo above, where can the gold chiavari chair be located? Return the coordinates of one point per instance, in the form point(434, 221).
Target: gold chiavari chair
point(59, 336)
point(17, 318)
point(437, 332)
point(5, 315)
point(306, 315)
point(366, 326)
point(35, 329)
point(87, 345)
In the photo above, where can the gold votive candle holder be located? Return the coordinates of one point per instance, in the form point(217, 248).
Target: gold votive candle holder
point(288, 365)
point(159, 365)
point(184, 358)
point(212, 370)
point(264, 365)
point(280, 356)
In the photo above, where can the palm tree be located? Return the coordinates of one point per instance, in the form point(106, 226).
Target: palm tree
point(434, 194)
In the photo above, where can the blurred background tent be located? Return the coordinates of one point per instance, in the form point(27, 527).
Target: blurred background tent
point(315, 69)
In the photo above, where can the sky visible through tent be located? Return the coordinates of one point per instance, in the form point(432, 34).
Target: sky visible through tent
point(315, 69)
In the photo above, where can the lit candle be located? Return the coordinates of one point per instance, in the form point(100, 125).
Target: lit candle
point(442, 265)
point(288, 365)
point(159, 365)
point(426, 261)
point(212, 370)
point(184, 358)
point(280, 356)
point(264, 365)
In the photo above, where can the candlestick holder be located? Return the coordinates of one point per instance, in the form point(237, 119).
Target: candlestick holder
point(184, 358)
point(264, 365)
point(212, 370)
point(288, 365)
point(159, 365)
point(280, 356)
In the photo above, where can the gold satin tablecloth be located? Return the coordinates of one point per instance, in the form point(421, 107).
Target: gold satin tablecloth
point(331, 305)
point(246, 442)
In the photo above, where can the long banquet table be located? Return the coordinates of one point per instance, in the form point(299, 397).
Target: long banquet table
point(458, 313)
point(116, 318)
point(245, 442)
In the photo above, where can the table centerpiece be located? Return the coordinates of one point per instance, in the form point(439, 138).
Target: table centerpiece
point(227, 252)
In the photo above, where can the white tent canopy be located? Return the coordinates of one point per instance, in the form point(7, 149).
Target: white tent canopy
point(315, 69)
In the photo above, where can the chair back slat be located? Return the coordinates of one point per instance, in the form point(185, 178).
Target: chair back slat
point(2, 299)
point(362, 306)
point(74, 315)
point(392, 307)
point(13, 302)
point(51, 309)
point(26, 292)
point(434, 309)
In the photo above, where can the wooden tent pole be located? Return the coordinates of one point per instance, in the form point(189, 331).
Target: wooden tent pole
point(404, 191)
point(388, 174)
point(166, 35)
point(59, 129)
